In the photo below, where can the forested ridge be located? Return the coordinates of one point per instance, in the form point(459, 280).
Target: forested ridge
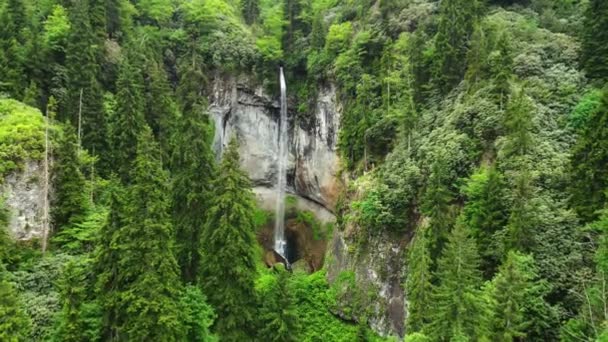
point(473, 135)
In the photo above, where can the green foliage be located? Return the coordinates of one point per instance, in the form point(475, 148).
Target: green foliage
point(21, 135)
point(128, 121)
point(14, 323)
point(80, 317)
point(595, 40)
point(517, 300)
point(140, 290)
point(197, 316)
point(312, 298)
point(459, 310)
point(228, 256)
point(269, 41)
point(418, 281)
point(485, 213)
point(193, 166)
point(456, 23)
point(589, 159)
point(70, 201)
point(57, 29)
point(278, 313)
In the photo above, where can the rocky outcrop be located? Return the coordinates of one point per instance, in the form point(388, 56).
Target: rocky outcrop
point(24, 193)
point(379, 269)
point(243, 109)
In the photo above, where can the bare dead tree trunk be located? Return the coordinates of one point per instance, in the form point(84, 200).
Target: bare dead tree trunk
point(45, 218)
point(80, 121)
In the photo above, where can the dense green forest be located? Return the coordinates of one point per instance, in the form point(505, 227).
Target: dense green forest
point(476, 131)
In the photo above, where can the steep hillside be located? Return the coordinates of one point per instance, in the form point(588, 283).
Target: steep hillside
point(446, 167)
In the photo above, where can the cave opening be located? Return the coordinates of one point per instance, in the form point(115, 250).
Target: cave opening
point(293, 253)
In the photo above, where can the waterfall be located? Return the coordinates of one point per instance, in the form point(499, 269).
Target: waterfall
point(280, 243)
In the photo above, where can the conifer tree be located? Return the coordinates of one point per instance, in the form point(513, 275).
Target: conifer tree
point(459, 311)
point(142, 286)
point(79, 319)
point(590, 162)
point(251, 10)
point(522, 218)
point(107, 256)
point(595, 40)
point(502, 71)
point(161, 110)
point(84, 99)
point(277, 313)
point(485, 214)
point(113, 18)
point(476, 57)
point(418, 282)
point(516, 297)
point(128, 122)
point(70, 200)
point(456, 23)
point(518, 123)
point(228, 267)
point(12, 81)
point(193, 166)
point(15, 325)
point(437, 205)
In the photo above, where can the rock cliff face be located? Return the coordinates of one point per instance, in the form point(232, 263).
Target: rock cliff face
point(379, 273)
point(240, 107)
point(243, 109)
point(24, 195)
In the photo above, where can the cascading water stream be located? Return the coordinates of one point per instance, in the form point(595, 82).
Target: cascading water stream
point(280, 244)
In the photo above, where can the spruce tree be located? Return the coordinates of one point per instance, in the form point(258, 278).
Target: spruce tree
point(161, 111)
point(519, 125)
point(84, 99)
point(142, 286)
point(79, 319)
point(502, 71)
point(485, 213)
point(15, 325)
point(595, 40)
point(70, 202)
point(228, 258)
point(128, 122)
point(193, 166)
point(590, 162)
point(459, 311)
point(522, 219)
point(278, 316)
point(476, 57)
point(107, 256)
point(456, 23)
point(12, 81)
point(418, 281)
point(251, 10)
point(437, 206)
point(516, 296)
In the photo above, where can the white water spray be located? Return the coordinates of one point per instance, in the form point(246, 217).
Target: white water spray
point(280, 244)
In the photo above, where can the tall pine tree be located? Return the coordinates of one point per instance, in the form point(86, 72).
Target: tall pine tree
point(228, 257)
point(142, 287)
point(590, 162)
point(70, 200)
point(456, 23)
point(418, 282)
point(193, 167)
point(459, 311)
point(277, 312)
point(84, 98)
point(595, 40)
point(128, 121)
